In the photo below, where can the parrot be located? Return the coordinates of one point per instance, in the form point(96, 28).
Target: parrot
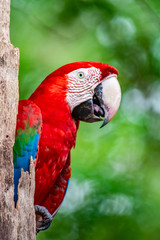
point(47, 124)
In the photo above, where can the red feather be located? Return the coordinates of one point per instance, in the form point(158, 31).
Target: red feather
point(57, 138)
point(58, 134)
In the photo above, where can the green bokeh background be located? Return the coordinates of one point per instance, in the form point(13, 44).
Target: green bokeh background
point(114, 192)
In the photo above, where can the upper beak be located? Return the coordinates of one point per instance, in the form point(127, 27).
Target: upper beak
point(103, 105)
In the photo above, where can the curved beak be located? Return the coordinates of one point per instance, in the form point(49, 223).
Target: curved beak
point(104, 104)
point(111, 96)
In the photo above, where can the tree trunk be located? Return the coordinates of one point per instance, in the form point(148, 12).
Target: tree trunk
point(15, 223)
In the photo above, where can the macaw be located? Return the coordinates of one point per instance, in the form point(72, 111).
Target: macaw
point(47, 124)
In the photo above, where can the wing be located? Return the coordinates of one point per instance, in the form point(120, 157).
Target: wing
point(28, 130)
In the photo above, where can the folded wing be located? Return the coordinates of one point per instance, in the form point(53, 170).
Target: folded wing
point(28, 131)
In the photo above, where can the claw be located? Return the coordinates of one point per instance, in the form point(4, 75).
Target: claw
point(46, 218)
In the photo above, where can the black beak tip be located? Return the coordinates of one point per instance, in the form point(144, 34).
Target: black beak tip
point(106, 120)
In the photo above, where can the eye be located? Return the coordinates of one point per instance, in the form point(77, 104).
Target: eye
point(81, 75)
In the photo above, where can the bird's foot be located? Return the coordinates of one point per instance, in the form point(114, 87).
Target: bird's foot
point(43, 218)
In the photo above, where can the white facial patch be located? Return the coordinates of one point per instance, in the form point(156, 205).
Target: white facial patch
point(81, 85)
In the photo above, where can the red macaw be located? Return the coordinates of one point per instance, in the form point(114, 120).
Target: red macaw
point(47, 124)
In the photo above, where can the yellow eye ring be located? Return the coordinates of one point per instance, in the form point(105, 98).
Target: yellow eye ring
point(81, 75)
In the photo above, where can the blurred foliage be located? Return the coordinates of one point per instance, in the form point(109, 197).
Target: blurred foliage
point(114, 191)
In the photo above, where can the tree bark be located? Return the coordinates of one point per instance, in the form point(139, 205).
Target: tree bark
point(18, 222)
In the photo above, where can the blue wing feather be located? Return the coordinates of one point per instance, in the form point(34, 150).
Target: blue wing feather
point(28, 130)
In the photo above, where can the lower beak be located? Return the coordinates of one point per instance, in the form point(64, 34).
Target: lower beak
point(104, 104)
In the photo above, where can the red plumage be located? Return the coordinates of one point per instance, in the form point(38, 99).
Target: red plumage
point(57, 138)
point(58, 134)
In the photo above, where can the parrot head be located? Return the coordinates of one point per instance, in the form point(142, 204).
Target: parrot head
point(93, 91)
point(90, 89)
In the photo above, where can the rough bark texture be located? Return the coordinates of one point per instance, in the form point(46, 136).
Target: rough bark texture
point(15, 223)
